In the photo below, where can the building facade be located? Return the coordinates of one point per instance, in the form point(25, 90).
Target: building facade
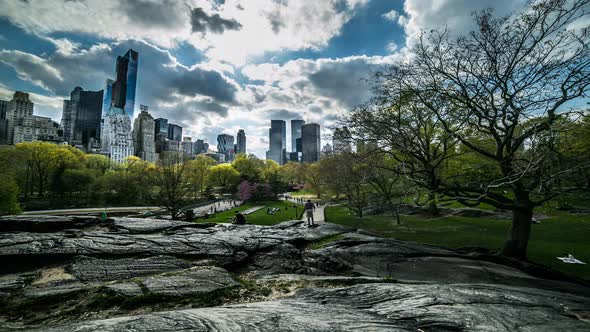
point(144, 138)
point(174, 132)
point(19, 118)
point(310, 142)
point(296, 134)
point(187, 147)
point(116, 138)
point(277, 140)
point(3, 122)
point(161, 126)
point(81, 117)
point(225, 146)
point(241, 142)
point(123, 95)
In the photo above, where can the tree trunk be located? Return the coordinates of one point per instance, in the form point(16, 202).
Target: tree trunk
point(432, 207)
point(520, 232)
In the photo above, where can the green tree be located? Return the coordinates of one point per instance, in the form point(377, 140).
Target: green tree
point(508, 82)
point(198, 169)
point(224, 176)
point(171, 178)
point(249, 166)
point(9, 196)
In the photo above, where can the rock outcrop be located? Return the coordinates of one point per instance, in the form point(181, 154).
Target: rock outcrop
point(77, 273)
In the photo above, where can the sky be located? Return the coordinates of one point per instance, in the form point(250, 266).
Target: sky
point(217, 66)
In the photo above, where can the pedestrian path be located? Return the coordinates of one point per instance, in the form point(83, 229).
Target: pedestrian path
point(318, 214)
point(218, 206)
point(252, 210)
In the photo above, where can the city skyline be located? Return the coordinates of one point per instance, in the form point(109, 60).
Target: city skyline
point(213, 79)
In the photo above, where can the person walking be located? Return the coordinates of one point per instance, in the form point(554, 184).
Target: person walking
point(309, 209)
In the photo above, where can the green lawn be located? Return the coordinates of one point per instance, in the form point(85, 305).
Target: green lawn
point(558, 235)
point(260, 217)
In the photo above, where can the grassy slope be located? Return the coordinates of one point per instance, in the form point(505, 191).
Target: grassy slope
point(260, 217)
point(558, 235)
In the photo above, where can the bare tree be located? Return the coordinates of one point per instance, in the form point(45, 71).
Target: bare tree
point(509, 81)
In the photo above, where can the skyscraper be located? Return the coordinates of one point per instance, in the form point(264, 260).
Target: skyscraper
point(116, 139)
point(225, 145)
point(241, 144)
point(295, 134)
point(174, 132)
point(310, 141)
point(125, 85)
point(277, 139)
point(107, 97)
point(199, 147)
point(161, 126)
point(143, 136)
point(81, 116)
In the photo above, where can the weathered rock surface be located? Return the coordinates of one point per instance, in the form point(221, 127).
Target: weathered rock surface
point(374, 307)
point(75, 274)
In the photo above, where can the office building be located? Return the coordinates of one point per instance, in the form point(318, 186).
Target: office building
point(123, 95)
point(174, 132)
point(310, 142)
point(241, 142)
point(199, 147)
point(143, 136)
point(296, 134)
point(187, 147)
point(81, 117)
point(161, 126)
point(277, 139)
point(225, 146)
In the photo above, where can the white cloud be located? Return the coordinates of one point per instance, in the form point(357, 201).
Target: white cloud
point(391, 16)
point(456, 15)
point(262, 25)
point(392, 47)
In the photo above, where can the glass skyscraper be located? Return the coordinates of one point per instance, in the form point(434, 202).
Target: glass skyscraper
point(295, 134)
point(310, 141)
point(277, 139)
point(123, 94)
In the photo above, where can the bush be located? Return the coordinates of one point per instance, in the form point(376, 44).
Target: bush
point(9, 196)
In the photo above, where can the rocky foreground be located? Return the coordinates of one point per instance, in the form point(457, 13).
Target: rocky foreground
point(81, 274)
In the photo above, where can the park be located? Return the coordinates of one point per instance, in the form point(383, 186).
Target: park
point(457, 200)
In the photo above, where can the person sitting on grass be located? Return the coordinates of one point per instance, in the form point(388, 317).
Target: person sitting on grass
point(239, 219)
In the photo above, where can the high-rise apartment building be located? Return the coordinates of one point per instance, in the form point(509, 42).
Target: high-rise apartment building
point(19, 116)
point(241, 142)
point(174, 132)
point(116, 139)
point(81, 116)
point(310, 142)
point(143, 136)
point(277, 139)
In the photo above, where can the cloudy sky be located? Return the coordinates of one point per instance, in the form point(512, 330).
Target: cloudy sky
point(216, 66)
